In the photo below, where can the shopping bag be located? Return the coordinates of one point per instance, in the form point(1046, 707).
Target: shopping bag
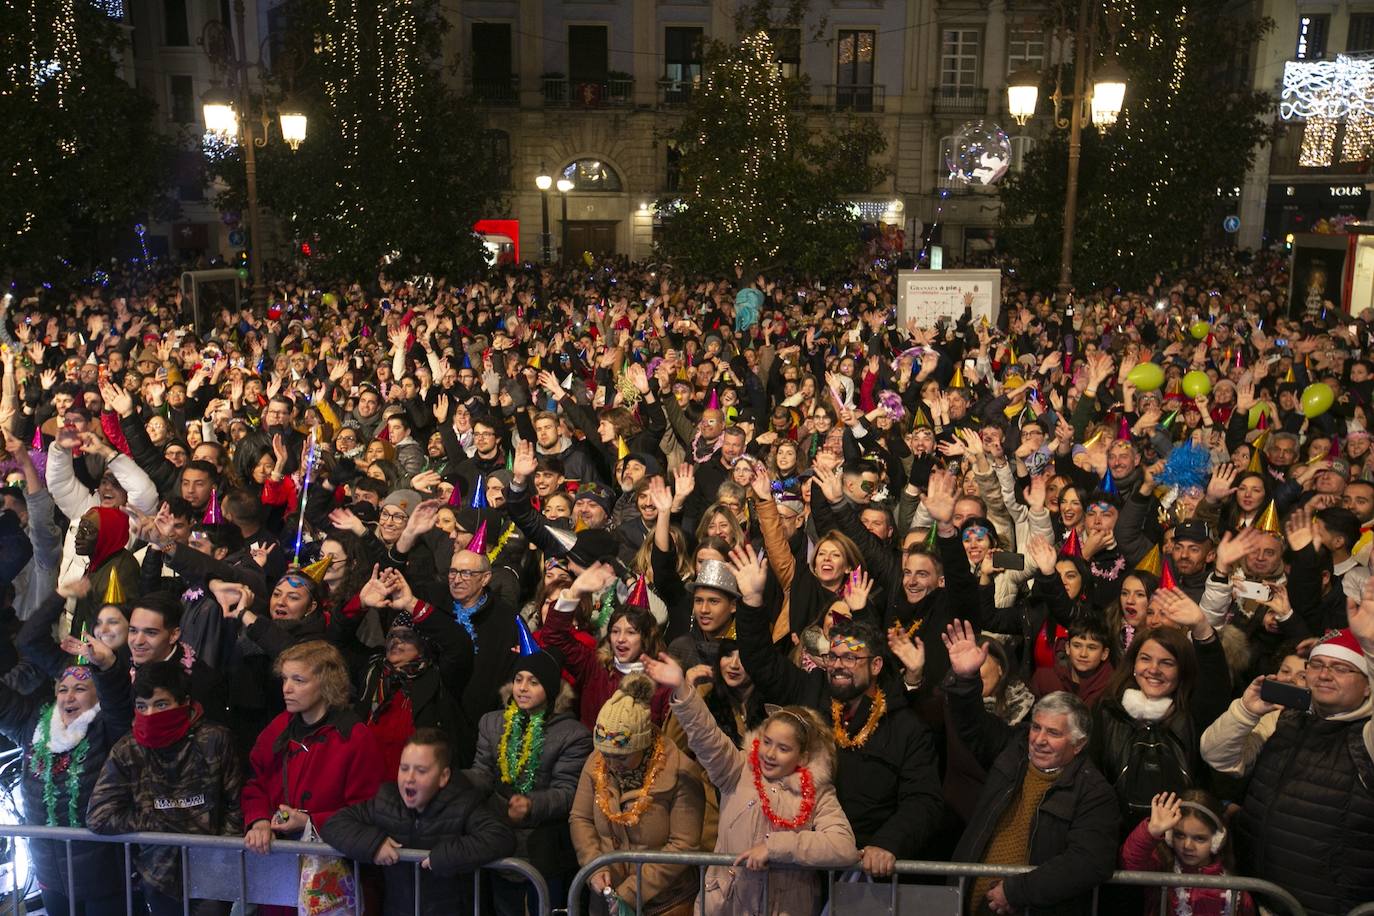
point(327, 885)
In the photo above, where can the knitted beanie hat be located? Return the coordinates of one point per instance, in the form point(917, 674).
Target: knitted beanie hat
point(623, 726)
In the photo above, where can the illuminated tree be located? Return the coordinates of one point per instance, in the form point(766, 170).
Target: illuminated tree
point(758, 187)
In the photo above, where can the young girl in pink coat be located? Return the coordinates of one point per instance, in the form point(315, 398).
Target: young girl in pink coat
point(1186, 834)
point(777, 804)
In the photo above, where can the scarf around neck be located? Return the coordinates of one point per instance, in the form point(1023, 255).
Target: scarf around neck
point(1139, 706)
point(62, 738)
point(464, 617)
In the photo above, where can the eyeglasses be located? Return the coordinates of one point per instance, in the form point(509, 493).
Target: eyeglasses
point(846, 661)
point(393, 516)
point(1344, 670)
point(464, 573)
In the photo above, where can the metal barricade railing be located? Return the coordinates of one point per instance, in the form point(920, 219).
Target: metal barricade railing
point(961, 871)
point(185, 842)
point(1364, 909)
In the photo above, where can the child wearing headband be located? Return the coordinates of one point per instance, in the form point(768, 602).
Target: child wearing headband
point(1185, 833)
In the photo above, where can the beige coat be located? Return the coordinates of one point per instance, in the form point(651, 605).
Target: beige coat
point(826, 841)
point(671, 824)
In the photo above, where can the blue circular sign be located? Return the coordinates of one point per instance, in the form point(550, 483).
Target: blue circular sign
point(1231, 223)
point(236, 238)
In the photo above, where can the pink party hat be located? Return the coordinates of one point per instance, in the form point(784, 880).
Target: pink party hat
point(478, 544)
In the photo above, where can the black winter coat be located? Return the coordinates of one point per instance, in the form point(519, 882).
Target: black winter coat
point(93, 864)
point(889, 788)
point(1307, 823)
point(457, 828)
point(1073, 840)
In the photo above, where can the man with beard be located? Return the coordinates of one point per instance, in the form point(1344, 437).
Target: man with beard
point(887, 778)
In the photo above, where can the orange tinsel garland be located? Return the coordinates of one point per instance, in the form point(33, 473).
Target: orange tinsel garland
point(874, 715)
point(603, 801)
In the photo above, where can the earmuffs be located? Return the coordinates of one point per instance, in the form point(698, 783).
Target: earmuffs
point(1218, 838)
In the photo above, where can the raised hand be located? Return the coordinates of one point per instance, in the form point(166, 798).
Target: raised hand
point(750, 573)
point(1165, 813)
point(1036, 492)
point(593, 579)
point(1298, 529)
point(665, 671)
point(830, 482)
point(1233, 548)
point(857, 590)
point(1222, 484)
point(660, 496)
point(939, 497)
point(345, 520)
point(966, 657)
point(684, 481)
point(373, 593)
point(761, 483)
point(525, 463)
point(1182, 610)
point(910, 651)
point(1043, 555)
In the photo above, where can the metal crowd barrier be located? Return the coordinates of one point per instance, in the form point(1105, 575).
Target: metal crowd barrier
point(940, 900)
point(1364, 909)
point(258, 878)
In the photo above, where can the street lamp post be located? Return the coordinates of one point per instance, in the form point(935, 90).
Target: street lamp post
point(1101, 107)
point(564, 186)
point(230, 116)
point(543, 182)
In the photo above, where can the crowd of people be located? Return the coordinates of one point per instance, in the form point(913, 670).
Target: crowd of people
point(561, 562)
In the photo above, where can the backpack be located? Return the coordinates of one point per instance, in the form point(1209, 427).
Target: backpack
point(1155, 762)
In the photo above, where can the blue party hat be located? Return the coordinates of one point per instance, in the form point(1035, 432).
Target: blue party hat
point(1109, 484)
point(479, 494)
point(527, 644)
point(467, 363)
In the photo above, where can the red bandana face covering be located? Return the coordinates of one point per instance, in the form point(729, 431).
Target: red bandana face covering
point(163, 729)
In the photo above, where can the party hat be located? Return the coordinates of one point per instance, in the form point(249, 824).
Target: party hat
point(1071, 546)
point(1109, 484)
point(213, 515)
point(1166, 577)
point(37, 437)
point(536, 362)
point(1289, 377)
point(317, 569)
point(510, 461)
point(1269, 520)
point(622, 451)
point(714, 402)
point(1263, 421)
point(1152, 562)
point(527, 644)
point(455, 496)
point(479, 494)
point(114, 589)
point(1169, 420)
point(1335, 451)
point(1256, 464)
point(639, 595)
point(1261, 440)
point(579, 526)
point(1068, 362)
point(1123, 429)
point(958, 380)
point(565, 538)
point(478, 544)
point(467, 363)
point(920, 420)
point(1094, 439)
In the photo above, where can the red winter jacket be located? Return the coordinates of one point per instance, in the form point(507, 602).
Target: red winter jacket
point(1140, 853)
point(336, 765)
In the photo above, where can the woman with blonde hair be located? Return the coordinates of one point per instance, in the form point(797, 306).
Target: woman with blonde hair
point(313, 759)
point(777, 803)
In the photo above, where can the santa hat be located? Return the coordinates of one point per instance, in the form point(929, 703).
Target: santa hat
point(1344, 647)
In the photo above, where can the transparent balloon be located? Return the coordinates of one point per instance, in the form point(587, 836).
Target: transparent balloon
point(981, 153)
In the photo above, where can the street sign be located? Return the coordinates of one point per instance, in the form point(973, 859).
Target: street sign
point(236, 238)
point(1231, 223)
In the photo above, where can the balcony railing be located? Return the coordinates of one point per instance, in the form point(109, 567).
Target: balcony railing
point(857, 97)
point(959, 100)
point(496, 90)
point(675, 92)
point(560, 92)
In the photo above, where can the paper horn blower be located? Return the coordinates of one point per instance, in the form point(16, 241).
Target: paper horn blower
point(1166, 577)
point(1269, 520)
point(1152, 562)
point(527, 644)
point(114, 589)
point(213, 514)
point(639, 595)
point(479, 494)
point(1071, 546)
point(478, 544)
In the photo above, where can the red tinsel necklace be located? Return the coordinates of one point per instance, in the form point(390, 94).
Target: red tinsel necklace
point(808, 792)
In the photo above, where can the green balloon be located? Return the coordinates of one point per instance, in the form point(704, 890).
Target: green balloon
point(329, 299)
point(1316, 399)
point(243, 273)
point(1200, 330)
point(1197, 383)
point(1146, 377)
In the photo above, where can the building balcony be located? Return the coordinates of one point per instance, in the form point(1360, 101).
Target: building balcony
point(672, 93)
point(607, 93)
point(959, 100)
point(495, 90)
point(857, 97)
